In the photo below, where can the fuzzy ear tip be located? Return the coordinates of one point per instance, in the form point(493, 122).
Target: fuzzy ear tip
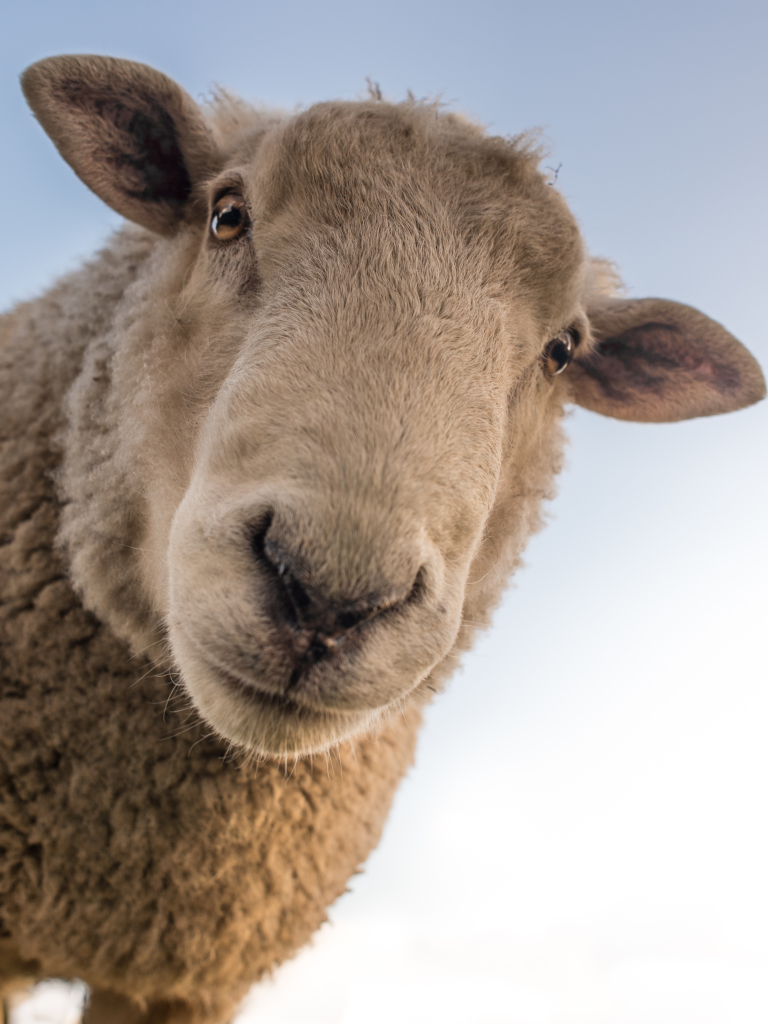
point(31, 78)
point(760, 393)
point(44, 74)
point(37, 83)
point(40, 78)
point(44, 67)
point(755, 389)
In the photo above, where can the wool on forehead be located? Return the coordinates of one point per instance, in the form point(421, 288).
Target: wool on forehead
point(420, 176)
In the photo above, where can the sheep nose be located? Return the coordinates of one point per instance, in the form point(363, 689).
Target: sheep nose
point(318, 624)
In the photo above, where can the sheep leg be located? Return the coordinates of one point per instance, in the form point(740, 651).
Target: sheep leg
point(105, 1007)
point(111, 1008)
point(17, 976)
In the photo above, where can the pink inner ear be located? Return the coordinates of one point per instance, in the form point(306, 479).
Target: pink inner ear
point(664, 359)
point(659, 361)
point(705, 370)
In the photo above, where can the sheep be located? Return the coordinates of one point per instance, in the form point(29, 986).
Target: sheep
point(268, 462)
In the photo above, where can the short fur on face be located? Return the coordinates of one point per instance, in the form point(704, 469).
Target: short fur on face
point(355, 384)
point(299, 458)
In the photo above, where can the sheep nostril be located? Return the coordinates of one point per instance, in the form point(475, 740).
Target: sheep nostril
point(347, 619)
point(303, 604)
point(290, 600)
point(258, 534)
point(419, 588)
point(319, 624)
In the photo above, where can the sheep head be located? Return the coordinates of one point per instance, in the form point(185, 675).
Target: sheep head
point(334, 394)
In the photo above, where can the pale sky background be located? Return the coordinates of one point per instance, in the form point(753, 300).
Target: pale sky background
point(583, 839)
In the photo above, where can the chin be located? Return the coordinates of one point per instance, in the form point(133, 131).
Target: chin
point(266, 724)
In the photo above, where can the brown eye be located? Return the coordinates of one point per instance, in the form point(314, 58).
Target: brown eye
point(230, 217)
point(558, 353)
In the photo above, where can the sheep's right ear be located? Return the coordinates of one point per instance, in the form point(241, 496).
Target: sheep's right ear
point(133, 136)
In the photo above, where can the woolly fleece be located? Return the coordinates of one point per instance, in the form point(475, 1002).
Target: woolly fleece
point(137, 852)
point(137, 858)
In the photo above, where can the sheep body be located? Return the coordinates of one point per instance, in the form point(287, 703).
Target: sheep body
point(139, 854)
point(136, 858)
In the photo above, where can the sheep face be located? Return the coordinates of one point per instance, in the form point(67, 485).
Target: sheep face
point(345, 470)
point(335, 389)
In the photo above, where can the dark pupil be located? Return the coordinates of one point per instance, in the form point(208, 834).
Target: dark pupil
point(561, 353)
point(230, 217)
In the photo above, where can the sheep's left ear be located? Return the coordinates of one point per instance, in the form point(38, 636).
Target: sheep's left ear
point(656, 361)
point(135, 137)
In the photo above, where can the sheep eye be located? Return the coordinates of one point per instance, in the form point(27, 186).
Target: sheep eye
point(230, 218)
point(558, 353)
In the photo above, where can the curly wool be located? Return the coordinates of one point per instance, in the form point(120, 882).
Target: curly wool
point(132, 844)
point(138, 854)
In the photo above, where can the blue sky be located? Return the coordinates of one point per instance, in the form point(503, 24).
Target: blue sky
point(581, 839)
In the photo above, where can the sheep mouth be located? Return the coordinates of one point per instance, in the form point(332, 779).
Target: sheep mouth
point(295, 692)
point(296, 674)
point(272, 725)
point(280, 703)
